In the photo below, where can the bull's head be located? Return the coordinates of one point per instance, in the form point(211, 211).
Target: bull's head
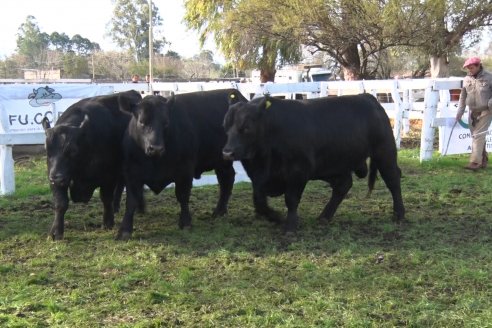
point(244, 128)
point(63, 145)
point(150, 122)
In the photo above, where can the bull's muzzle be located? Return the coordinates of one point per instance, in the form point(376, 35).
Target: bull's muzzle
point(154, 150)
point(228, 155)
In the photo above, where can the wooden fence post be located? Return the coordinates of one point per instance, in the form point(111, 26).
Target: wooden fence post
point(7, 176)
point(398, 113)
point(431, 100)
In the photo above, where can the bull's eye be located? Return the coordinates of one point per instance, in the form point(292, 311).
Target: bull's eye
point(245, 129)
point(71, 152)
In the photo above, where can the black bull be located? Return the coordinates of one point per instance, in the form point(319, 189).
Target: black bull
point(283, 144)
point(174, 140)
point(84, 153)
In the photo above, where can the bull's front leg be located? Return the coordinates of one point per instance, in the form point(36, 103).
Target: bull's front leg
point(60, 199)
point(262, 208)
point(340, 186)
point(225, 177)
point(182, 191)
point(293, 194)
point(134, 198)
point(107, 195)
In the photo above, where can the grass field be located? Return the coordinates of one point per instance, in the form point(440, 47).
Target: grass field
point(361, 270)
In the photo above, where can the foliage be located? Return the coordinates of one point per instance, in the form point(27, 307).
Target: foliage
point(129, 27)
point(113, 65)
point(448, 24)
point(359, 35)
point(39, 50)
point(361, 270)
point(244, 31)
point(32, 43)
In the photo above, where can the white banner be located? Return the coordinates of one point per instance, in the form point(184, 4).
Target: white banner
point(459, 138)
point(22, 107)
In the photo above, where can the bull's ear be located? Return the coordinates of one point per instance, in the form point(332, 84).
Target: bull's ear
point(84, 122)
point(235, 97)
point(266, 103)
point(128, 104)
point(46, 124)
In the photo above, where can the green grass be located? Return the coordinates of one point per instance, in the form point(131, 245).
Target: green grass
point(361, 270)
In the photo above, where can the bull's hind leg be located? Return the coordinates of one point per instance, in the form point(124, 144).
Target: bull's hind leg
point(225, 176)
point(391, 174)
point(107, 195)
point(118, 191)
point(182, 191)
point(262, 208)
point(340, 187)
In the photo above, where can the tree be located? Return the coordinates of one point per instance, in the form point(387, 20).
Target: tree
point(172, 54)
point(448, 25)
point(356, 33)
point(244, 31)
point(129, 27)
point(83, 46)
point(112, 65)
point(60, 42)
point(32, 43)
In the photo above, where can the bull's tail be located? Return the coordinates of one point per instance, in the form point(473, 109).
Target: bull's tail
point(373, 170)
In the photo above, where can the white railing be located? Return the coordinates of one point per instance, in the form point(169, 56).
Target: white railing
point(400, 105)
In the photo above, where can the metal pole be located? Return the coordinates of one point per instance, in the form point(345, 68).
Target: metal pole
point(151, 46)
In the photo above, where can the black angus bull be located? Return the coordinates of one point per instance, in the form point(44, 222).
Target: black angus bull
point(284, 143)
point(174, 140)
point(84, 153)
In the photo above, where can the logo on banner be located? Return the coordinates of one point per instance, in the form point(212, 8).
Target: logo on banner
point(43, 96)
point(463, 124)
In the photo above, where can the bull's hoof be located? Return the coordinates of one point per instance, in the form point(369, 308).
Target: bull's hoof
point(290, 231)
point(270, 215)
point(399, 218)
point(55, 237)
point(108, 226)
point(323, 219)
point(185, 226)
point(219, 212)
point(123, 235)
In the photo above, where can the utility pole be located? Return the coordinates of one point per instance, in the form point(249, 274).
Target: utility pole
point(93, 73)
point(151, 48)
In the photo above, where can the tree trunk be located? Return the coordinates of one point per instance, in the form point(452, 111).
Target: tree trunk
point(267, 74)
point(351, 63)
point(439, 66)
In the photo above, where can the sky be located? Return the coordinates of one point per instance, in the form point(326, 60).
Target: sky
point(90, 18)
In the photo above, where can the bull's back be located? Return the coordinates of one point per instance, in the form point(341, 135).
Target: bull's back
point(333, 133)
point(206, 111)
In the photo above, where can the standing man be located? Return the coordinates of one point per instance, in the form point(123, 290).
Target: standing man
point(477, 95)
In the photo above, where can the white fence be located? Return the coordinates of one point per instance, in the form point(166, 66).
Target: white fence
point(402, 100)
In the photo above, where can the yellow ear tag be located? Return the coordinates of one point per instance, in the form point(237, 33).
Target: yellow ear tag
point(268, 104)
point(232, 96)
